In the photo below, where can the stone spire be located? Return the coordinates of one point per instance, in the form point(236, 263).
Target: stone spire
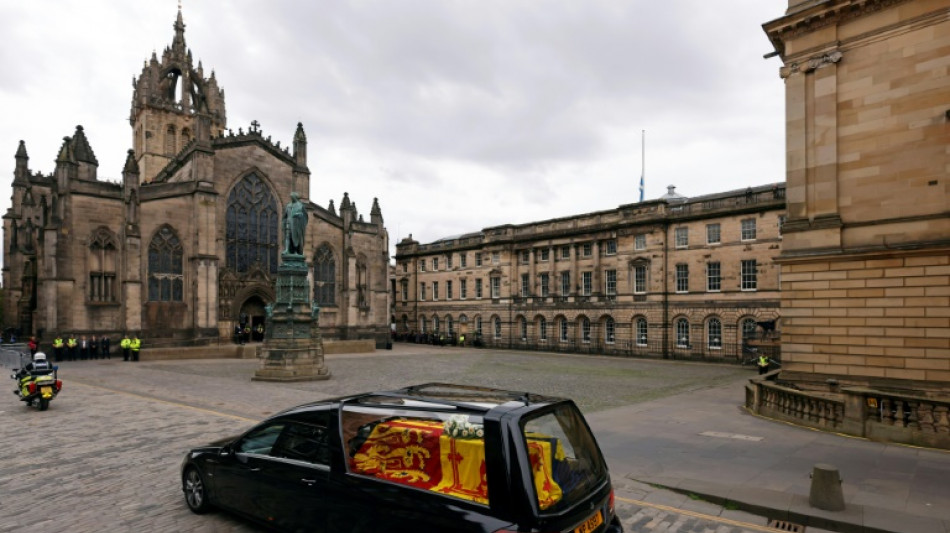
point(375, 213)
point(22, 171)
point(300, 146)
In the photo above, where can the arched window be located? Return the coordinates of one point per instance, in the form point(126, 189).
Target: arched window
point(542, 329)
point(563, 327)
point(324, 277)
point(748, 328)
point(610, 330)
point(450, 325)
point(585, 329)
point(102, 266)
point(641, 332)
point(185, 137)
point(478, 326)
point(497, 327)
point(714, 334)
point(423, 326)
point(251, 226)
point(170, 140)
point(523, 326)
point(682, 333)
point(165, 274)
point(435, 324)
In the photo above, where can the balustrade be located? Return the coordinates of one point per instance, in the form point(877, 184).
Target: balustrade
point(917, 414)
point(809, 408)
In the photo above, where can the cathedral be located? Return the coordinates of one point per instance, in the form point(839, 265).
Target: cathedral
point(185, 247)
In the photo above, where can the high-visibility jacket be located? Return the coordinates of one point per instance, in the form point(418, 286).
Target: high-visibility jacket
point(71, 342)
point(763, 360)
point(58, 342)
point(135, 344)
point(125, 343)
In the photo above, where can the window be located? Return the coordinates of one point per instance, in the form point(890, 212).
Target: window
point(640, 242)
point(565, 252)
point(525, 285)
point(324, 276)
point(448, 262)
point(422, 291)
point(478, 326)
point(682, 237)
point(587, 282)
point(450, 325)
point(435, 290)
point(610, 282)
point(713, 234)
point(565, 283)
point(749, 328)
point(525, 257)
point(545, 254)
point(611, 247)
point(713, 276)
point(588, 249)
point(748, 275)
point(523, 328)
point(170, 140)
point(405, 267)
point(478, 288)
point(261, 440)
point(542, 329)
point(496, 287)
point(303, 442)
point(435, 264)
point(251, 226)
point(496, 327)
point(103, 262)
point(641, 332)
point(781, 224)
point(682, 333)
point(423, 325)
point(404, 288)
point(463, 260)
point(448, 290)
point(165, 279)
point(563, 328)
point(610, 331)
point(585, 329)
point(748, 229)
point(682, 278)
point(463, 289)
point(435, 324)
point(496, 258)
point(545, 292)
point(478, 259)
point(422, 265)
point(640, 279)
point(714, 334)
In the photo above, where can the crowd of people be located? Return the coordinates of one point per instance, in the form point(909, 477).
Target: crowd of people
point(84, 349)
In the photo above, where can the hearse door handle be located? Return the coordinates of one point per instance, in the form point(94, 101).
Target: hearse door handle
point(308, 482)
point(253, 469)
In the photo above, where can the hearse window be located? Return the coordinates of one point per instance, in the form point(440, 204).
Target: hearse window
point(303, 442)
point(565, 461)
point(439, 452)
point(261, 440)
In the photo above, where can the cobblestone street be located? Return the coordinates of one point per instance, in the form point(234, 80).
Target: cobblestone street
point(107, 452)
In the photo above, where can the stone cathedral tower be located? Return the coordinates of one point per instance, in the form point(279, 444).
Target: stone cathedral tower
point(169, 97)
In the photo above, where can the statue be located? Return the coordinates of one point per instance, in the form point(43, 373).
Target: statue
point(295, 225)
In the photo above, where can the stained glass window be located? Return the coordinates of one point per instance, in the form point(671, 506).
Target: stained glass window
point(324, 277)
point(252, 223)
point(165, 273)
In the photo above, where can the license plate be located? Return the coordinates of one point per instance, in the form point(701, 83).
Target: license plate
point(46, 390)
point(590, 524)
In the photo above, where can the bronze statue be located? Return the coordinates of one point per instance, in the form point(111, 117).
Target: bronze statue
point(295, 225)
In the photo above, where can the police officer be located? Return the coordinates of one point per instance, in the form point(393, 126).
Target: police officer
point(763, 364)
point(72, 346)
point(58, 348)
point(125, 344)
point(135, 346)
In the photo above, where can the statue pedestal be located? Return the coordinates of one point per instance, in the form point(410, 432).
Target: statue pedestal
point(293, 347)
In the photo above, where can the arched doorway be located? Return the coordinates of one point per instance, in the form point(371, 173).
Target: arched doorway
point(253, 316)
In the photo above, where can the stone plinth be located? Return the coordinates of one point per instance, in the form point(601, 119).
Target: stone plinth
point(293, 347)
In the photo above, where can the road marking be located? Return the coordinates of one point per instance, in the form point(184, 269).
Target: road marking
point(167, 402)
point(694, 514)
point(736, 436)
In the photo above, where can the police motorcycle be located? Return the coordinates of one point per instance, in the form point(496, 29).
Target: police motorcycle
point(37, 382)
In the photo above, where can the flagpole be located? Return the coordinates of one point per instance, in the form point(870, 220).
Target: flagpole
point(643, 161)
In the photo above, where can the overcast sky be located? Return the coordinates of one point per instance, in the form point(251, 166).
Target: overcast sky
point(457, 115)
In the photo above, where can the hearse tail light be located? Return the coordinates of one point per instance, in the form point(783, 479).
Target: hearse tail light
point(610, 502)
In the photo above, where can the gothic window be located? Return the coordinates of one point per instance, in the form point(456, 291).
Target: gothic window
point(165, 274)
point(362, 286)
point(252, 226)
point(170, 140)
point(185, 137)
point(324, 277)
point(102, 267)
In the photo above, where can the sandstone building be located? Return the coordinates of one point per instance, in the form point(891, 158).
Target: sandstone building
point(185, 246)
point(675, 277)
point(866, 254)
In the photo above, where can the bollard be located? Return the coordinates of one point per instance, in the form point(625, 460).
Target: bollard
point(826, 488)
